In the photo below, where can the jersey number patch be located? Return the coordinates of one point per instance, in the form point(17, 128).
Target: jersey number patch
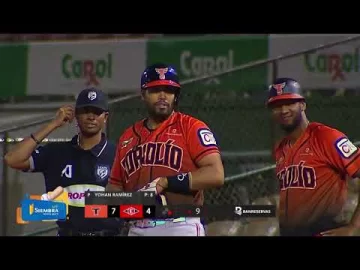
point(206, 137)
point(345, 147)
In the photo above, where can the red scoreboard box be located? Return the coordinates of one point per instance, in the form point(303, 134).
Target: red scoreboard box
point(131, 211)
point(96, 211)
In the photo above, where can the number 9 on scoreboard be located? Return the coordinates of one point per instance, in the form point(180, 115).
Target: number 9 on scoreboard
point(149, 211)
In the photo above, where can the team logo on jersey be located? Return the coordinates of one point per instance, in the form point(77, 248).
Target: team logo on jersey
point(345, 147)
point(125, 143)
point(297, 176)
point(206, 137)
point(102, 172)
point(161, 72)
point(174, 132)
point(161, 154)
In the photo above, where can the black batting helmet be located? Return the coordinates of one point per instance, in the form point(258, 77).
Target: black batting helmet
point(284, 89)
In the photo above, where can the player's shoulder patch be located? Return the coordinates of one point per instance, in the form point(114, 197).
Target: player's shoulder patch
point(206, 137)
point(345, 147)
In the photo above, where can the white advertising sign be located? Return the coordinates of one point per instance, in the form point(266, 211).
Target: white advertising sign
point(335, 67)
point(62, 68)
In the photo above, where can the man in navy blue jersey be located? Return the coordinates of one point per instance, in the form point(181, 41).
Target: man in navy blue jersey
point(81, 165)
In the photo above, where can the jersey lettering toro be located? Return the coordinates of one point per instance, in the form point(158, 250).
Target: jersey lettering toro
point(313, 175)
point(174, 147)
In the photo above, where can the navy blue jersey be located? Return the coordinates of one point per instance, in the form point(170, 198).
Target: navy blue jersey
point(77, 171)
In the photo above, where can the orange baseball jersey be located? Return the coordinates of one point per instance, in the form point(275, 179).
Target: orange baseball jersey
point(313, 176)
point(174, 147)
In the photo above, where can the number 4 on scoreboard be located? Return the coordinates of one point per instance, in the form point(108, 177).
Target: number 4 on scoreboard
point(149, 211)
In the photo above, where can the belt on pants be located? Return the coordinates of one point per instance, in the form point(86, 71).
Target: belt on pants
point(149, 223)
point(71, 232)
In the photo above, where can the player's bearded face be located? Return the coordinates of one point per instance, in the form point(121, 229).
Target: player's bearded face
point(160, 102)
point(90, 120)
point(288, 114)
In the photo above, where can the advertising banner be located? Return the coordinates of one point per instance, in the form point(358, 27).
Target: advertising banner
point(194, 57)
point(63, 68)
point(335, 67)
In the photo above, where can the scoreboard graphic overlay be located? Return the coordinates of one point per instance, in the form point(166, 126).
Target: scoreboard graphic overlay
point(143, 205)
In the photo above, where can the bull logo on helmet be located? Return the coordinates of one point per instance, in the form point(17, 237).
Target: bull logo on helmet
point(279, 87)
point(161, 72)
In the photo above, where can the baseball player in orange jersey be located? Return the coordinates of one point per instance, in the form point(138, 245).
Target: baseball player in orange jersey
point(171, 153)
point(313, 163)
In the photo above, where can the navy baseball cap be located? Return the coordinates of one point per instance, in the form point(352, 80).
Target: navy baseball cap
point(92, 97)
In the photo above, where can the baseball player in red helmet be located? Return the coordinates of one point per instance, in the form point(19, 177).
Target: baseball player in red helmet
point(313, 164)
point(171, 153)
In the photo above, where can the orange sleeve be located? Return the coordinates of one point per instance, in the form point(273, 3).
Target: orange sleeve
point(340, 151)
point(201, 141)
point(116, 170)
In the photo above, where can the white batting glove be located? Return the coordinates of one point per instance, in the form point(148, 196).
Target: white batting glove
point(150, 187)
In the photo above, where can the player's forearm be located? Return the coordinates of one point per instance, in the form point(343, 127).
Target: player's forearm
point(22, 151)
point(206, 177)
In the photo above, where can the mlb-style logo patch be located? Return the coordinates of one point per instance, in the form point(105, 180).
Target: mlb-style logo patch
point(206, 137)
point(92, 95)
point(345, 147)
point(102, 172)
